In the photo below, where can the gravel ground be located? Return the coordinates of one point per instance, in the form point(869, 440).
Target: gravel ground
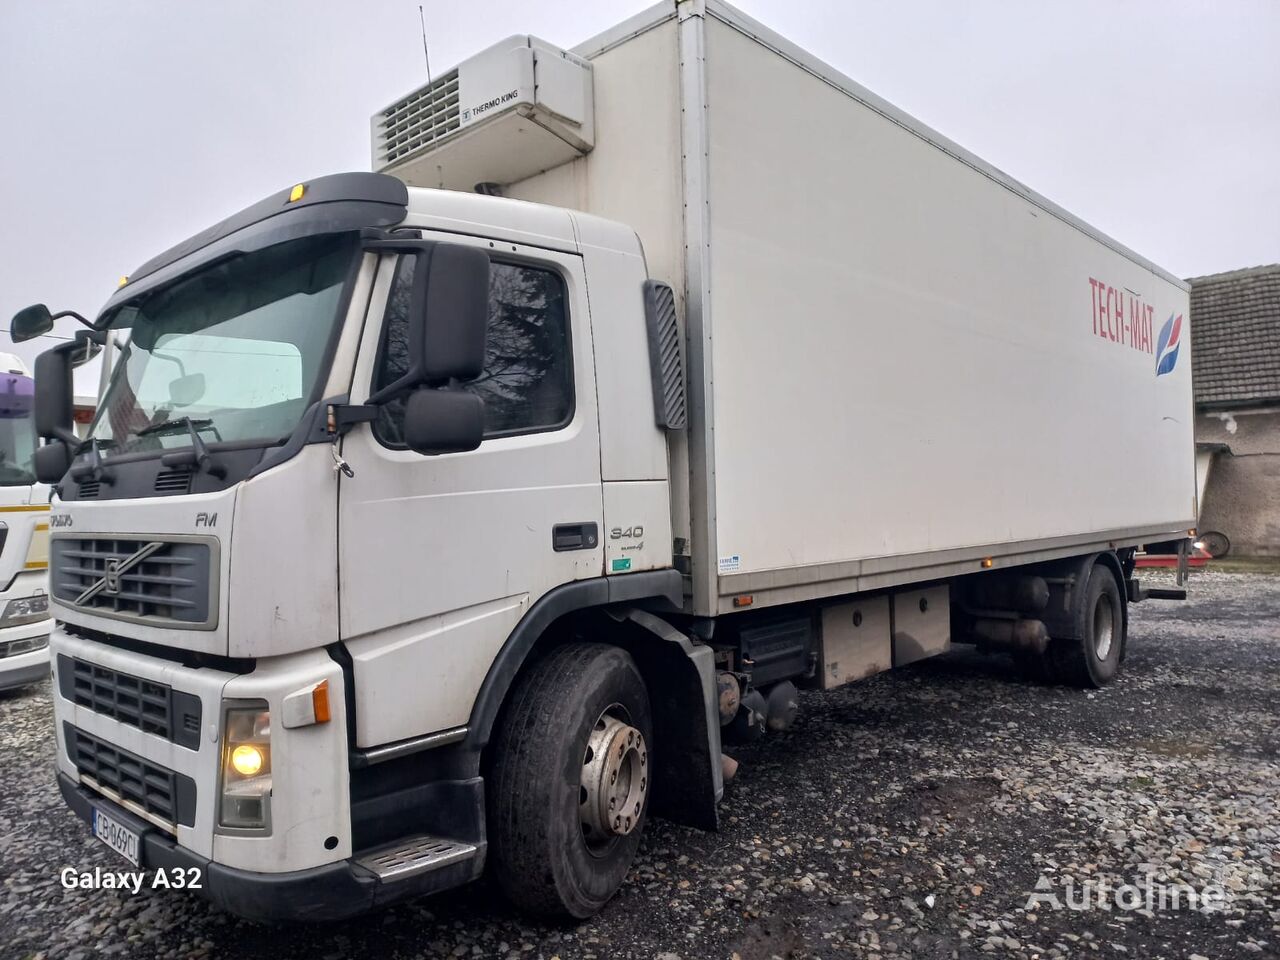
point(914, 814)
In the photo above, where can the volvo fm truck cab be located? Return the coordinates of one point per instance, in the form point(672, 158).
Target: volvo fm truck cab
point(24, 534)
point(451, 516)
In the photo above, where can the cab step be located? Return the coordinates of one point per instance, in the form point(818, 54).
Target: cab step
point(411, 856)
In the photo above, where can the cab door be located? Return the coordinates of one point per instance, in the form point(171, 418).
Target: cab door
point(440, 556)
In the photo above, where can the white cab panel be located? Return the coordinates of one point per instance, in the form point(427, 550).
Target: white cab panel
point(285, 577)
point(631, 446)
point(400, 663)
point(637, 526)
point(425, 536)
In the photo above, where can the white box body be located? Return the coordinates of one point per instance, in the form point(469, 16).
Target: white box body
point(900, 360)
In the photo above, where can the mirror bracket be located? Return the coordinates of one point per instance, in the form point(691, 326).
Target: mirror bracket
point(341, 417)
point(93, 468)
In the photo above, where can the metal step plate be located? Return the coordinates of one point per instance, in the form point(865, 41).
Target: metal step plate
point(414, 855)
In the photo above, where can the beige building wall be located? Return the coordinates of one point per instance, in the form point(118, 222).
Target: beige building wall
point(1242, 496)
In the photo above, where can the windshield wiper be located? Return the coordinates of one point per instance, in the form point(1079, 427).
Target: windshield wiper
point(198, 455)
point(184, 422)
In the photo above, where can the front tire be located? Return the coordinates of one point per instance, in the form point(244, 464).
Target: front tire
point(1092, 658)
point(569, 785)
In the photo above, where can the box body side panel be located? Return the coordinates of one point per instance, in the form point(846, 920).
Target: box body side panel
point(910, 357)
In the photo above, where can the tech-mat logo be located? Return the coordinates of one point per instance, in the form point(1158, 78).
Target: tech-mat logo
point(1120, 316)
point(1167, 345)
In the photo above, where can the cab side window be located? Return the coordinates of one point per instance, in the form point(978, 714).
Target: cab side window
point(527, 381)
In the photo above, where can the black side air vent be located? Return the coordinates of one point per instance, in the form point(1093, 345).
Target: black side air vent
point(88, 489)
point(173, 481)
point(665, 361)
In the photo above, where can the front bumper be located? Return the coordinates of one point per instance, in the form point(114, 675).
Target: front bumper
point(333, 891)
point(24, 668)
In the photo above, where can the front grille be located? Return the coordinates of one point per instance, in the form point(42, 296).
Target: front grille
point(11, 648)
point(151, 788)
point(413, 124)
point(152, 707)
point(165, 582)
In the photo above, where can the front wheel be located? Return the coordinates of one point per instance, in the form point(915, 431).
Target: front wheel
point(1092, 658)
point(569, 785)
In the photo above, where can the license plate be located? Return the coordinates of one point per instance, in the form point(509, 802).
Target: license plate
point(116, 836)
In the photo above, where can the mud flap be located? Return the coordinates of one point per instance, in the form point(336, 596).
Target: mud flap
point(686, 718)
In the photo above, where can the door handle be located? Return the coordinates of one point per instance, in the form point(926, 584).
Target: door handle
point(574, 536)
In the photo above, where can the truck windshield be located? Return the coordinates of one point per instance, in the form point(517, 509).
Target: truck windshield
point(234, 351)
point(17, 432)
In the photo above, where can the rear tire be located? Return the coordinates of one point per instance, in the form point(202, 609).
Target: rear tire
point(545, 844)
point(1093, 657)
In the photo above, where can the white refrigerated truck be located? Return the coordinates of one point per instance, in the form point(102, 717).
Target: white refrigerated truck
point(24, 535)
point(450, 515)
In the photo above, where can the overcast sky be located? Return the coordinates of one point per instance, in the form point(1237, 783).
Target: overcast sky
point(127, 126)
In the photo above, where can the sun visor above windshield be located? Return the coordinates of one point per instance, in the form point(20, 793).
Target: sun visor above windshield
point(332, 204)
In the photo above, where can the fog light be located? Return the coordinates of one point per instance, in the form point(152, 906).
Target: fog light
point(25, 610)
point(246, 767)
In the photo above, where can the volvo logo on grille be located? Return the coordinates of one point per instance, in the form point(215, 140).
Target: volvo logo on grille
point(111, 577)
point(114, 569)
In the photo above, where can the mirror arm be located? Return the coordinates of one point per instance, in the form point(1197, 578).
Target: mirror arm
point(71, 313)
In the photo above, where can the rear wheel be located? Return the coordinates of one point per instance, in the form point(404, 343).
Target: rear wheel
point(569, 786)
point(1092, 658)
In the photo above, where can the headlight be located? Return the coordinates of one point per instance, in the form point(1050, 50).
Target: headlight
point(25, 610)
point(246, 767)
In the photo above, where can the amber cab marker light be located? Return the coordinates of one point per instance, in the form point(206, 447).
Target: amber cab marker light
point(296, 193)
point(320, 701)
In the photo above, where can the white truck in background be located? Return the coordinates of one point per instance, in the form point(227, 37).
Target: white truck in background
point(24, 535)
point(452, 515)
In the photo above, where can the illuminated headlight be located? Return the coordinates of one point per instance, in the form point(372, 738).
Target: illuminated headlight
point(246, 767)
point(25, 610)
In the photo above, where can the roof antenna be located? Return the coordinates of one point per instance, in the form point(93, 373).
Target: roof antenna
point(422, 17)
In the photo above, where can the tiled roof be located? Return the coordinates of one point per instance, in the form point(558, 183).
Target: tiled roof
point(1235, 336)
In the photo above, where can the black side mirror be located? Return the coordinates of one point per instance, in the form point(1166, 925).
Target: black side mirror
point(455, 318)
point(55, 403)
point(34, 321)
point(443, 421)
point(54, 414)
point(448, 313)
point(52, 461)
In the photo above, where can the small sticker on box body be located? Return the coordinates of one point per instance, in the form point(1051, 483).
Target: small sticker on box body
point(730, 564)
